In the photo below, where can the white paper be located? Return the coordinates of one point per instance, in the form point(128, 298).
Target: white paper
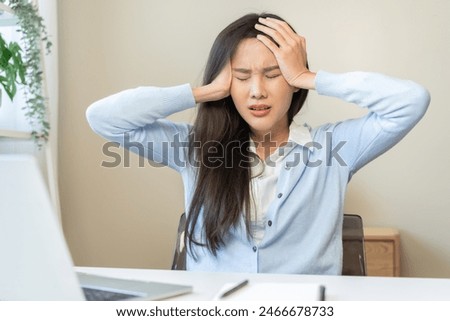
point(274, 291)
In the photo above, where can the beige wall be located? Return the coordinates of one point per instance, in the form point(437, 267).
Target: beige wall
point(127, 217)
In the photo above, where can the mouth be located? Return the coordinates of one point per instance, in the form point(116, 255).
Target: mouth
point(259, 107)
point(260, 110)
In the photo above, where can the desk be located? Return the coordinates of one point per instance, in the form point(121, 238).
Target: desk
point(207, 284)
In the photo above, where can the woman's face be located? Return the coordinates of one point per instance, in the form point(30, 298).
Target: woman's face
point(258, 89)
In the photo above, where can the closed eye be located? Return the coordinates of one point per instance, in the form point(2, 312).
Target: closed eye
point(273, 76)
point(242, 78)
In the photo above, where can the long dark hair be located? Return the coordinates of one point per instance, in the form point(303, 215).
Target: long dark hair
point(219, 145)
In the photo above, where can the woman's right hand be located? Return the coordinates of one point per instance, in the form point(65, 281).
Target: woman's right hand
point(219, 88)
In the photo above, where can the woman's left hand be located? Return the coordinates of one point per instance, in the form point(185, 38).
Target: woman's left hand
point(289, 50)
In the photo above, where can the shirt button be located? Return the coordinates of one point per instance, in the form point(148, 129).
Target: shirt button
point(255, 249)
point(280, 195)
point(269, 223)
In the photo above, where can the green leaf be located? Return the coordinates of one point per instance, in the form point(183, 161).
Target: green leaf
point(33, 33)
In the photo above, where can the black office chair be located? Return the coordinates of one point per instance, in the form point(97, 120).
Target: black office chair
point(354, 260)
point(179, 257)
point(352, 240)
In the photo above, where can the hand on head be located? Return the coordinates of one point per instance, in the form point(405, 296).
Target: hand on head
point(289, 49)
point(223, 81)
point(218, 89)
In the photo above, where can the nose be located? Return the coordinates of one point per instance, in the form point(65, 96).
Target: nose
point(257, 89)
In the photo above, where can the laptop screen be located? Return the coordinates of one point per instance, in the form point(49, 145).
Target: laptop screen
point(36, 264)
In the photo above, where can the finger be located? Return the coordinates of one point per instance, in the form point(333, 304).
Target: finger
point(279, 39)
point(292, 38)
point(280, 26)
point(268, 43)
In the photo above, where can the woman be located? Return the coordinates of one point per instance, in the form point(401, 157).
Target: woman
point(262, 193)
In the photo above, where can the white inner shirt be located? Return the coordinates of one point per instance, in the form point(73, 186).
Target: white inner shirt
point(265, 177)
point(263, 191)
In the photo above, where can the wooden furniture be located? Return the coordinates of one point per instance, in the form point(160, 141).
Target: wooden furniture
point(382, 251)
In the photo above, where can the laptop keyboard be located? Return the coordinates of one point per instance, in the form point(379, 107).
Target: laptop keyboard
point(92, 294)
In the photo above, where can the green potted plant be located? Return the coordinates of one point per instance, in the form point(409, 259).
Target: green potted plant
point(25, 66)
point(12, 69)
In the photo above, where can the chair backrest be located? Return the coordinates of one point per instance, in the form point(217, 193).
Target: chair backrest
point(354, 261)
point(179, 257)
point(352, 241)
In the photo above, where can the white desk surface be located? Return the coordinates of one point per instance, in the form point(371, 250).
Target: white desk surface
point(207, 284)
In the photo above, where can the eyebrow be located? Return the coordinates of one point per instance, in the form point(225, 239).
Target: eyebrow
point(248, 71)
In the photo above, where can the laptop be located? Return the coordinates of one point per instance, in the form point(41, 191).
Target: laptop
point(35, 260)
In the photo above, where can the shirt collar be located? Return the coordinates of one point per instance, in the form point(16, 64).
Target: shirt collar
point(300, 134)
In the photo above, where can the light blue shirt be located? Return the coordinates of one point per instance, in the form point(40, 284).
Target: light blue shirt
point(304, 221)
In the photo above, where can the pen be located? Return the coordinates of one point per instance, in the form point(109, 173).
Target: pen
point(234, 288)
